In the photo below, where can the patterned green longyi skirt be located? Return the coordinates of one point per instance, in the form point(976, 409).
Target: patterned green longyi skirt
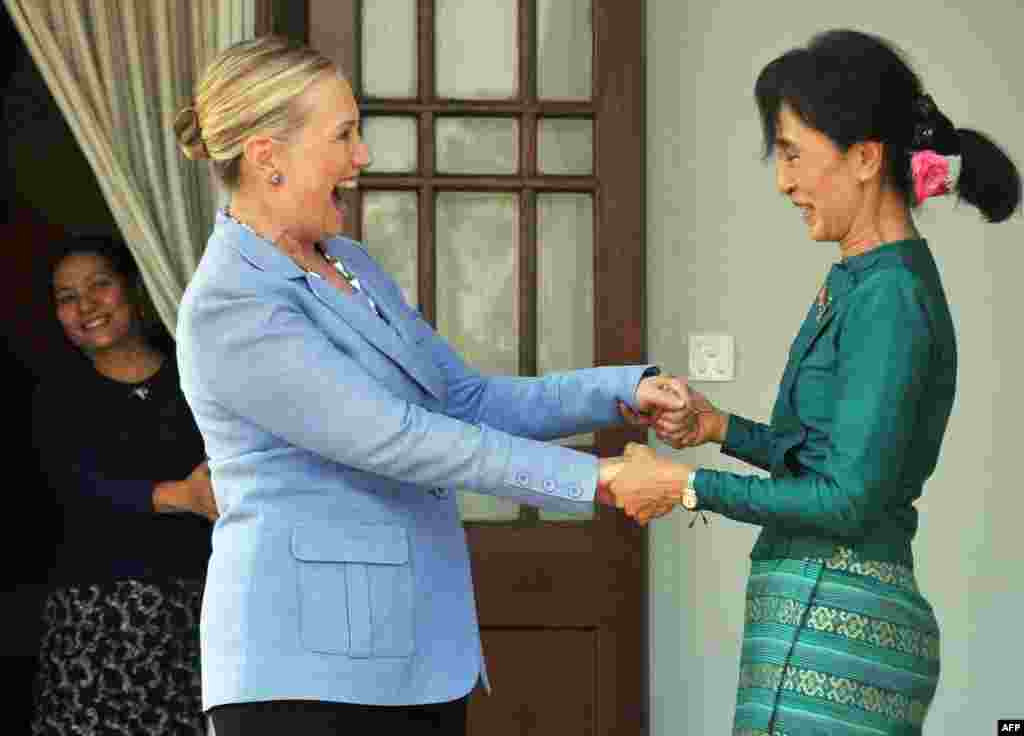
point(837, 647)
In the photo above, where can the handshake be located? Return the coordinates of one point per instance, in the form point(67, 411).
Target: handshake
point(642, 484)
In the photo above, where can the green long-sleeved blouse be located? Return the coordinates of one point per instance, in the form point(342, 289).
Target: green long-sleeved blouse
point(858, 422)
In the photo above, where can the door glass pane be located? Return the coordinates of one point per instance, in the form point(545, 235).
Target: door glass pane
point(476, 277)
point(565, 49)
point(476, 298)
point(565, 294)
point(479, 507)
point(390, 221)
point(476, 48)
point(565, 146)
point(392, 142)
point(477, 145)
point(389, 48)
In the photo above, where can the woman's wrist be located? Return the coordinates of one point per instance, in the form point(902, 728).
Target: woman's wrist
point(689, 497)
point(721, 427)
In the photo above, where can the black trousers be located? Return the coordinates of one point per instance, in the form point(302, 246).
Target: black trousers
point(317, 718)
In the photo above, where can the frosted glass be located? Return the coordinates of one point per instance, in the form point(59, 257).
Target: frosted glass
point(389, 48)
point(478, 507)
point(565, 49)
point(475, 45)
point(476, 299)
point(565, 296)
point(477, 145)
point(392, 143)
point(390, 226)
point(476, 277)
point(565, 146)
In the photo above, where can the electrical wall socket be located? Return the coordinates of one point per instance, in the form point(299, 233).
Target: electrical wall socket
point(711, 358)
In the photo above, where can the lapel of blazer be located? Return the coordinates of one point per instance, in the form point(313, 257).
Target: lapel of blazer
point(395, 342)
point(399, 342)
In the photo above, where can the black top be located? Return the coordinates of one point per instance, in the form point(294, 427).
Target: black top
point(103, 445)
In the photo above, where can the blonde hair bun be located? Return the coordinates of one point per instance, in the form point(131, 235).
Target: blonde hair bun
point(190, 134)
point(249, 89)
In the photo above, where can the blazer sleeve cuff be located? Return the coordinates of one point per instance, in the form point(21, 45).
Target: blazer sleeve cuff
point(562, 480)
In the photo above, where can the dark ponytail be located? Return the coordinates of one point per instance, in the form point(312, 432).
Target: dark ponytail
point(989, 180)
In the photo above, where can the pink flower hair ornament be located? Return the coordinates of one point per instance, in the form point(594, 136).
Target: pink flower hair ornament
point(930, 172)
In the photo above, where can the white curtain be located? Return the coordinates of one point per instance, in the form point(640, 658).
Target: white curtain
point(119, 71)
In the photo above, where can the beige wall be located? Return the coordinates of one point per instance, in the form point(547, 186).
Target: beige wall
point(727, 253)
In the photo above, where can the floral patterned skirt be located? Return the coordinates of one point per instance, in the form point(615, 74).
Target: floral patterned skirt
point(120, 658)
point(840, 647)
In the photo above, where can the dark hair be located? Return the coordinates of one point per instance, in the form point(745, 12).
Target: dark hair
point(112, 249)
point(115, 252)
point(854, 87)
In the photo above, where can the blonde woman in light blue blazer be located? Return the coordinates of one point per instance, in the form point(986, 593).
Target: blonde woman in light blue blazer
point(335, 418)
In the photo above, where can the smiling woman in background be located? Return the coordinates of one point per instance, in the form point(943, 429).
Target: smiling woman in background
point(120, 652)
point(838, 638)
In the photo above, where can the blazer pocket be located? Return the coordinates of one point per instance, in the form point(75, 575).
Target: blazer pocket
point(355, 589)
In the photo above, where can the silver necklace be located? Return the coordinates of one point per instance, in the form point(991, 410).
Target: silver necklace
point(350, 277)
point(334, 261)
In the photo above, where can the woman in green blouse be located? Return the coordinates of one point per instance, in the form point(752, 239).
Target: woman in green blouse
point(838, 638)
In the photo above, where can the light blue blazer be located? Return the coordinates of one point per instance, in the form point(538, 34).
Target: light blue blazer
point(339, 569)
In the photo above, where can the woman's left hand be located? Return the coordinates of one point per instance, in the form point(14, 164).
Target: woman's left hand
point(200, 488)
point(193, 495)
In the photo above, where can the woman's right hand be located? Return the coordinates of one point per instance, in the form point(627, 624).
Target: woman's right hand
point(695, 424)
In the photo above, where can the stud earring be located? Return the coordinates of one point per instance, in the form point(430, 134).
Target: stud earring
point(276, 179)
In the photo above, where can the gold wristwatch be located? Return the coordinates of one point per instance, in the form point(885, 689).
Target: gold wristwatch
point(690, 493)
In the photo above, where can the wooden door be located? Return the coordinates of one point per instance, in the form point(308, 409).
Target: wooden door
point(506, 196)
